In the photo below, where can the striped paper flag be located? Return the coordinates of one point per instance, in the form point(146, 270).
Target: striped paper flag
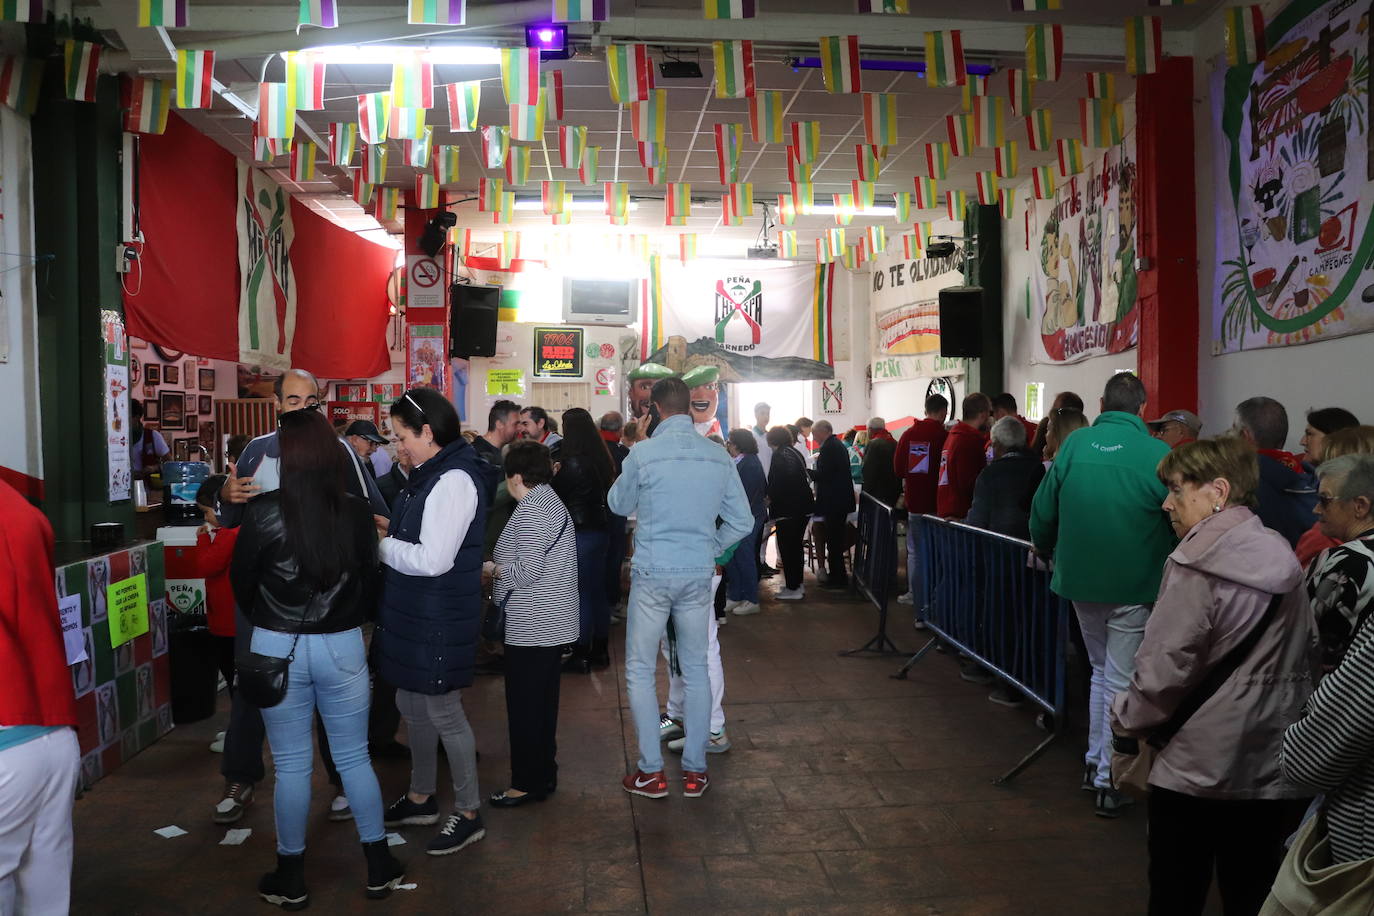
point(656, 174)
point(649, 118)
point(729, 138)
point(167, 14)
point(495, 146)
point(489, 191)
point(956, 204)
point(880, 118)
point(1032, 6)
point(362, 191)
point(195, 79)
point(149, 102)
point(945, 59)
point(840, 63)
point(564, 216)
point(1044, 51)
point(580, 10)
point(303, 161)
point(305, 80)
point(823, 255)
point(1039, 129)
point(869, 161)
point(806, 140)
point(405, 123)
point(797, 171)
point(741, 197)
point(586, 172)
point(572, 141)
point(987, 188)
point(863, 193)
point(630, 72)
point(787, 210)
point(765, 116)
point(276, 117)
point(619, 220)
point(1070, 157)
point(323, 14)
point(988, 122)
point(844, 208)
point(876, 236)
point(652, 155)
point(961, 134)
point(937, 160)
point(463, 102)
point(803, 196)
point(386, 204)
point(1042, 181)
point(437, 12)
point(927, 193)
point(854, 256)
point(883, 6)
point(911, 246)
point(81, 63)
point(419, 152)
point(974, 86)
point(518, 165)
point(373, 111)
point(1100, 122)
point(1144, 44)
point(1244, 35)
point(787, 243)
point(527, 122)
point(504, 212)
point(553, 94)
point(734, 69)
point(1101, 85)
point(445, 164)
point(1006, 197)
point(412, 81)
point(553, 195)
point(375, 156)
point(834, 242)
point(901, 206)
point(509, 249)
point(1007, 160)
point(729, 9)
point(520, 75)
point(728, 217)
point(678, 201)
point(426, 192)
point(1020, 91)
point(343, 141)
point(617, 195)
point(20, 80)
point(460, 238)
point(23, 10)
point(686, 246)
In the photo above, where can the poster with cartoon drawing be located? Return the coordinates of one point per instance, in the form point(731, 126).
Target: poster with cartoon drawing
point(1084, 278)
point(1294, 239)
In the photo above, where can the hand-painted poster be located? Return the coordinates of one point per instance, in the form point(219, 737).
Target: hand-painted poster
point(1084, 283)
point(267, 284)
point(1294, 236)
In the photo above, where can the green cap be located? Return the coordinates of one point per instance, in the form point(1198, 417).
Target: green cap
point(650, 370)
point(700, 375)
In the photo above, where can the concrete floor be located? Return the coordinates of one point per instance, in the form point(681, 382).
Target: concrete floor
point(845, 792)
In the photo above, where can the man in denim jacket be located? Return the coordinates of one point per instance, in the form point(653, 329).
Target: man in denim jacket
point(678, 484)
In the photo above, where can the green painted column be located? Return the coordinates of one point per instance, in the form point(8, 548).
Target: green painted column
point(983, 267)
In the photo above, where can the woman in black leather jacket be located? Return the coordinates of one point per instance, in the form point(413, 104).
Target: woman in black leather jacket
point(585, 474)
point(305, 573)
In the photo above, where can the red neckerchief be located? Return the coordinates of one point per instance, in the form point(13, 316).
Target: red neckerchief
point(1287, 459)
point(610, 436)
point(880, 434)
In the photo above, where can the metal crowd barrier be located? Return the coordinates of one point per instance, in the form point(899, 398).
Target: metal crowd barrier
point(988, 596)
point(875, 568)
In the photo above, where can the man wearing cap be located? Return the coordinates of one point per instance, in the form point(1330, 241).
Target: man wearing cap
point(1176, 428)
point(362, 436)
point(705, 394)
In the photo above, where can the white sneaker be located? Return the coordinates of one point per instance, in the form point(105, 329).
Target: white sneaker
point(731, 605)
point(719, 743)
point(745, 608)
point(791, 594)
point(339, 809)
point(906, 598)
point(217, 746)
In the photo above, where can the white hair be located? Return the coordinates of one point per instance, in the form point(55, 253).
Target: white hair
point(876, 423)
point(1009, 433)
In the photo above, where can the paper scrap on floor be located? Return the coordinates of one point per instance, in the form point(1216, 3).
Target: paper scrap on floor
point(236, 836)
point(170, 832)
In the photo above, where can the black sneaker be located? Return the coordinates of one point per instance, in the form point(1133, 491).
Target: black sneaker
point(1111, 803)
point(1089, 783)
point(456, 833)
point(404, 811)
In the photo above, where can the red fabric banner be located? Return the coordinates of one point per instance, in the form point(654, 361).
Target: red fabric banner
point(187, 283)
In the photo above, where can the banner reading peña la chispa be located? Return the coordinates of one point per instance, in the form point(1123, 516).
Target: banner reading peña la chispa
point(267, 284)
point(1083, 243)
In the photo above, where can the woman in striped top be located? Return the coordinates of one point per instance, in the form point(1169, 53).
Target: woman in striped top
point(536, 578)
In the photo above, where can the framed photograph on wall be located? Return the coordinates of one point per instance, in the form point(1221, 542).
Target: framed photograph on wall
point(207, 435)
point(207, 379)
point(152, 410)
point(171, 374)
point(173, 407)
point(152, 374)
point(206, 405)
point(188, 374)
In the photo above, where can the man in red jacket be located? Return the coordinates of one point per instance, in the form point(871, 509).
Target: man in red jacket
point(39, 756)
point(916, 462)
point(1004, 405)
point(963, 458)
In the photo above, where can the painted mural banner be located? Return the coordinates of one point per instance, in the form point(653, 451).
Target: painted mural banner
point(1084, 280)
point(1294, 236)
point(905, 301)
point(267, 284)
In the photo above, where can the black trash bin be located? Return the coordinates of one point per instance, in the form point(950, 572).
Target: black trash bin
point(195, 673)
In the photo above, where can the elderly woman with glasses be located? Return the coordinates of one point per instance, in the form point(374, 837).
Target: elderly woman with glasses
point(1340, 583)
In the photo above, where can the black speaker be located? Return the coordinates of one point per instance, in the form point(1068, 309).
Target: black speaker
point(961, 321)
point(472, 331)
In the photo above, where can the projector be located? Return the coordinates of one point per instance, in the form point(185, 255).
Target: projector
point(939, 249)
point(762, 253)
point(680, 70)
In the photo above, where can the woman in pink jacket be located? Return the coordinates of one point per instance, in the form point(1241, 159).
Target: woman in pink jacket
point(1218, 799)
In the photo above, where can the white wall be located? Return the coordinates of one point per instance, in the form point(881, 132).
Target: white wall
point(20, 446)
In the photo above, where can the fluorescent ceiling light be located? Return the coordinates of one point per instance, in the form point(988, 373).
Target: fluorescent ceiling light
point(578, 203)
point(878, 210)
point(388, 53)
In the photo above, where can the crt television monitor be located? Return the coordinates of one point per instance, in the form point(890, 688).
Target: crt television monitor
point(589, 300)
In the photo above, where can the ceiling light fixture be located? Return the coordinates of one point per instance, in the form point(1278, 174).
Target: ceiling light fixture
point(550, 38)
point(901, 66)
point(577, 203)
point(387, 54)
point(831, 209)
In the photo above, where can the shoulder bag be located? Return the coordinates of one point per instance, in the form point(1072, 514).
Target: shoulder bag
point(494, 621)
point(1308, 884)
point(1132, 759)
point(262, 678)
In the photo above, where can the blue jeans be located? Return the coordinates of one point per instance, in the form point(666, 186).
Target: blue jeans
point(742, 572)
point(593, 613)
point(329, 671)
point(653, 599)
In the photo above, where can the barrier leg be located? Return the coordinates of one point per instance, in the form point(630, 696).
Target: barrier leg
point(901, 672)
point(1028, 759)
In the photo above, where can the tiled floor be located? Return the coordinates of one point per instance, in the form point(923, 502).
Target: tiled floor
point(845, 792)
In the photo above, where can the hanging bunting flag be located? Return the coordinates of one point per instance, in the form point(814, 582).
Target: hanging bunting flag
point(729, 9)
point(880, 118)
point(564, 216)
point(629, 70)
point(426, 192)
point(803, 196)
point(765, 116)
point(554, 195)
point(495, 146)
point(863, 194)
point(1144, 44)
point(1020, 91)
point(520, 75)
point(489, 191)
point(266, 149)
point(445, 164)
point(527, 122)
point(619, 220)
point(911, 246)
point(518, 165)
point(823, 251)
point(987, 188)
point(553, 94)
point(362, 191)
point(834, 242)
point(437, 12)
point(1044, 51)
point(388, 203)
point(787, 243)
point(868, 160)
point(652, 155)
point(945, 59)
point(81, 60)
point(167, 14)
point(686, 247)
point(373, 111)
point(901, 205)
point(734, 69)
point(276, 117)
point(1070, 157)
point(305, 80)
point(927, 194)
point(505, 208)
point(729, 138)
point(375, 157)
point(1244, 35)
point(937, 160)
point(406, 123)
point(974, 86)
point(787, 210)
point(1033, 6)
point(797, 171)
point(1100, 122)
point(1007, 160)
point(343, 140)
point(322, 14)
point(884, 6)
point(572, 141)
point(988, 123)
point(419, 152)
point(876, 239)
point(741, 197)
point(580, 10)
point(23, 10)
point(728, 217)
point(1007, 198)
point(195, 79)
point(806, 140)
point(844, 208)
point(678, 202)
point(412, 81)
point(649, 118)
point(586, 172)
point(149, 102)
point(956, 203)
point(961, 133)
point(509, 249)
point(461, 239)
point(1101, 85)
point(463, 102)
point(840, 63)
point(1039, 129)
point(20, 80)
point(617, 198)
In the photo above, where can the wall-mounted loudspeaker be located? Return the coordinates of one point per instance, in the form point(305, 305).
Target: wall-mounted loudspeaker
point(961, 321)
point(473, 328)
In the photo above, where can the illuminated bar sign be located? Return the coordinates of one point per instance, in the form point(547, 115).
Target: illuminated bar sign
point(558, 352)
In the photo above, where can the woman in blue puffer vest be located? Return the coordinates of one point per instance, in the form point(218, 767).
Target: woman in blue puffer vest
point(431, 610)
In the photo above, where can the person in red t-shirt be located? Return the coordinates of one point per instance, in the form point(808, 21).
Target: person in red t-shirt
point(1004, 405)
point(963, 458)
point(916, 462)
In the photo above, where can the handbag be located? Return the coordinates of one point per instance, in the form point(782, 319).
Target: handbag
point(1309, 885)
point(1132, 759)
point(494, 620)
point(262, 678)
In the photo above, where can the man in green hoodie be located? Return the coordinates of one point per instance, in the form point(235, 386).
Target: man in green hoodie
point(1098, 513)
